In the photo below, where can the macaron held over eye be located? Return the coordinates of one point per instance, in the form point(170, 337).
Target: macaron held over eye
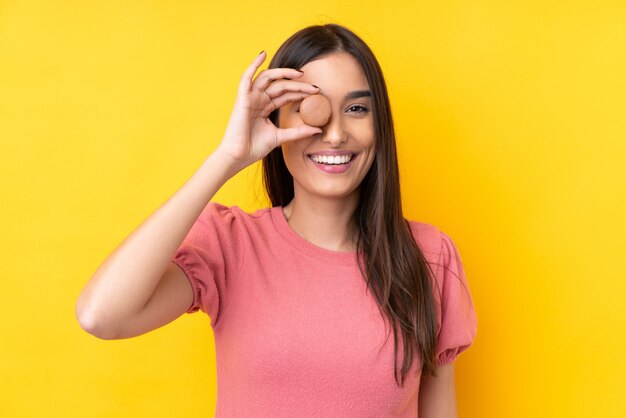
point(315, 110)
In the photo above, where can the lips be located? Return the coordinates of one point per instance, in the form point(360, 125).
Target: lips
point(332, 159)
point(333, 168)
point(332, 152)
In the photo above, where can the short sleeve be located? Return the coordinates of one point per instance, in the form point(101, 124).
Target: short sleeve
point(210, 255)
point(455, 308)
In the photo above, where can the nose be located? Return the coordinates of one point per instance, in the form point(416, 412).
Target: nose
point(333, 132)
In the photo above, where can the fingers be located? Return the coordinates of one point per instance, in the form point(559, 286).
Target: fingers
point(283, 86)
point(265, 77)
point(297, 132)
point(246, 78)
point(282, 100)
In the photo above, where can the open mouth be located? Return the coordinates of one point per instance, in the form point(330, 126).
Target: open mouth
point(333, 164)
point(332, 159)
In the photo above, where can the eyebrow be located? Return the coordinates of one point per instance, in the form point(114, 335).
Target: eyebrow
point(358, 93)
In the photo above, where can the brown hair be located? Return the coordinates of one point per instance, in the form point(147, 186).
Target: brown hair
point(397, 272)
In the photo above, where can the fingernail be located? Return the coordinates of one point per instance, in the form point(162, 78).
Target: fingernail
point(315, 86)
point(261, 52)
point(300, 71)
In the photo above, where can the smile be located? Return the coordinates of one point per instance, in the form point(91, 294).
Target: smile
point(332, 160)
point(335, 164)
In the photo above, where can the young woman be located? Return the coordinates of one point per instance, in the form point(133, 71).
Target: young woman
point(303, 295)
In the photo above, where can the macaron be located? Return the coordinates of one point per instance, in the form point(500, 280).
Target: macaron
point(315, 110)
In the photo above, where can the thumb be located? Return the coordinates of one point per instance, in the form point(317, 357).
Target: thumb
point(297, 132)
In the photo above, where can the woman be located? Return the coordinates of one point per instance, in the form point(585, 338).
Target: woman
point(303, 295)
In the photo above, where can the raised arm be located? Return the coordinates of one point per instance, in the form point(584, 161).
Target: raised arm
point(119, 290)
point(137, 289)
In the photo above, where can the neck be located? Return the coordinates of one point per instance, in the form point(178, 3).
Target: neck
point(325, 222)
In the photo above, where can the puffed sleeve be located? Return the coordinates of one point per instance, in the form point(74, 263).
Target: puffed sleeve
point(456, 313)
point(210, 255)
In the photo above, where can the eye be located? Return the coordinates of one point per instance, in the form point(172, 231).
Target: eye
point(360, 108)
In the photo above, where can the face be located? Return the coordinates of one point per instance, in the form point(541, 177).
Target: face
point(350, 130)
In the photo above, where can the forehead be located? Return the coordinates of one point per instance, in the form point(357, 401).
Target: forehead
point(335, 74)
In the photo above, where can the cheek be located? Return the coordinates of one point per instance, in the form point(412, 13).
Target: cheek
point(292, 154)
point(364, 131)
point(371, 157)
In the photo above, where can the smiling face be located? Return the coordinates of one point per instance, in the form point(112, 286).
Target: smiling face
point(349, 133)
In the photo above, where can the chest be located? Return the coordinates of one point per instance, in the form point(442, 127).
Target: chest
point(298, 327)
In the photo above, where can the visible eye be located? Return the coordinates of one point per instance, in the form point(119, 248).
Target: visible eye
point(361, 109)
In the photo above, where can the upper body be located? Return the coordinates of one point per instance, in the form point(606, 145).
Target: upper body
point(296, 331)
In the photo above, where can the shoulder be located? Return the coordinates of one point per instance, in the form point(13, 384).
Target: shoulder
point(428, 237)
point(437, 246)
point(233, 217)
point(225, 212)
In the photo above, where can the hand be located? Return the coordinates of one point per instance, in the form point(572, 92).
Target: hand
point(250, 135)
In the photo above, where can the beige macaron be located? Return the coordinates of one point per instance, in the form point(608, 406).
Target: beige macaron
point(315, 110)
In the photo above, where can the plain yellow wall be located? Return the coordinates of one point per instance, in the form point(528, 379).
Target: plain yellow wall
point(511, 122)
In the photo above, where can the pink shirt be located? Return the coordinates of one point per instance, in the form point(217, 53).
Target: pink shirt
point(296, 332)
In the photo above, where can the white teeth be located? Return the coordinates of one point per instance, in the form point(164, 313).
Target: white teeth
point(332, 160)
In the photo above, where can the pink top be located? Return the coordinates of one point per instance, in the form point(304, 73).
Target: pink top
point(296, 332)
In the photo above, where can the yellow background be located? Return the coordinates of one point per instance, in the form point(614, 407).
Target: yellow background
point(511, 121)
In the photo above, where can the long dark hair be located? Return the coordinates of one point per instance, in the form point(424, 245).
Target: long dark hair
point(396, 271)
